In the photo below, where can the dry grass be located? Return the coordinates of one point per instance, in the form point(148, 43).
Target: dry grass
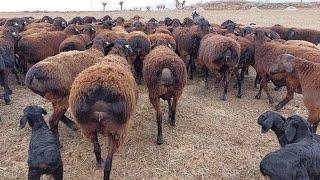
point(212, 139)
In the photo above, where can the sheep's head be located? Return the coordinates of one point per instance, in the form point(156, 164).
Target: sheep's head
point(271, 120)
point(11, 32)
point(32, 115)
point(151, 27)
point(195, 14)
point(46, 19)
point(168, 21)
point(153, 20)
point(159, 42)
point(106, 18)
point(119, 46)
point(176, 23)
point(188, 22)
point(76, 20)
point(88, 29)
point(119, 21)
point(283, 64)
point(297, 127)
point(107, 24)
point(204, 26)
point(225, 23)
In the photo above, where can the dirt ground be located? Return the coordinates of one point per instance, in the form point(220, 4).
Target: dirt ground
point(212, 139)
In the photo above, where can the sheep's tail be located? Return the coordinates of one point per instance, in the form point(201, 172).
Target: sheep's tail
point(32, 82)
point(104, 104)
point(167, 77)
point(31, 74)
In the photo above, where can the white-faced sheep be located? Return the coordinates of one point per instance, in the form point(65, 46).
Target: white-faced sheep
point(306, 74)
point(44, 153)
point(52, 78)
point(141, 46)
point(102, 100)
point(299, 158)
point(222, 54)
point(165, 75)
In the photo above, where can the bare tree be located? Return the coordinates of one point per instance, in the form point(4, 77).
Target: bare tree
point(121, 4)
point(104, 5)
point(148, 8)
point(184, 2)
point(158, 7)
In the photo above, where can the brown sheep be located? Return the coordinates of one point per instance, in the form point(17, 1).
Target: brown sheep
point(121, 31)
point(102, 100)
point(163, 29)
point(141, 46)
point(166, 37)
point(36, 47)
point(52, 78)
point(165, 74)
point(246, 59)
point(79, 41)
point(188, 41)
point(222, 54)
point(108, 35)
point(266, 54)
point(307, 74)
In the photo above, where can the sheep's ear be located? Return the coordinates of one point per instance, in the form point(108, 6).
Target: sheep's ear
point(290, 132)
point(23, 122)
point(89, 44)
point(266, 125)
point(43, 111)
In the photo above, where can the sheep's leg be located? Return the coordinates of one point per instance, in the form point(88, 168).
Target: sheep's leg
point(291, 87)
point(257, 80)
point(34, 174)
point(264, 86)
point(174, 110)
point(108, 163)
point(218, 80)
point(155, 101)
point(191, 66)
point(69, 123)
point(57, 114)
point(226, 80)
point(4, 83)
point(206, 73)
point(58, 175)
point(138, 70)
point(170, 109)
point(97, 150)
point(15, 72)
point(314, 120)
point(239, 83)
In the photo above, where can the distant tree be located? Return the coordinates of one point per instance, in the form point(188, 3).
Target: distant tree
point(148, 8)
point(121, 4)
point(184, 2)
point(158, 7)
point(104, 5)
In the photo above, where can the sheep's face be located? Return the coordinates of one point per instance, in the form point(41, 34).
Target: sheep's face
point(270, 120)
point(32, 115)
point(168, 21)
point(283, 64)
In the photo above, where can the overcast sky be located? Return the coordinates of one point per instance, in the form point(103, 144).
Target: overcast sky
point(80, 5)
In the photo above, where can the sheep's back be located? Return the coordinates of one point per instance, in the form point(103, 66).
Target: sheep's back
point(159, 58)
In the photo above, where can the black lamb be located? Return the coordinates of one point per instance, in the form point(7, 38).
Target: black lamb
point(44, 151)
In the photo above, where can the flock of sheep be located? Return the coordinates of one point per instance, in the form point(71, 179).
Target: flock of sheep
point(94, 68)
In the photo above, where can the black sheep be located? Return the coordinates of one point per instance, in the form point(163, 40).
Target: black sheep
point(300, 158)
point(44, 152)
point(9, 38)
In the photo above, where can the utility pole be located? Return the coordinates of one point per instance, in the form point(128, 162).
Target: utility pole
point(91, 5)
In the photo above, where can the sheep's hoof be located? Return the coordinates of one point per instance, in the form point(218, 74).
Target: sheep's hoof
point(271, 101)
point(172, 122)
point(100, 164)
point(278, 107)
point(223, 97)
point(277, 88)
point(20, 83)
point(159, 140)
point(235, 86)
point(239, 95)
point(258, 96)
point(7, 101)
